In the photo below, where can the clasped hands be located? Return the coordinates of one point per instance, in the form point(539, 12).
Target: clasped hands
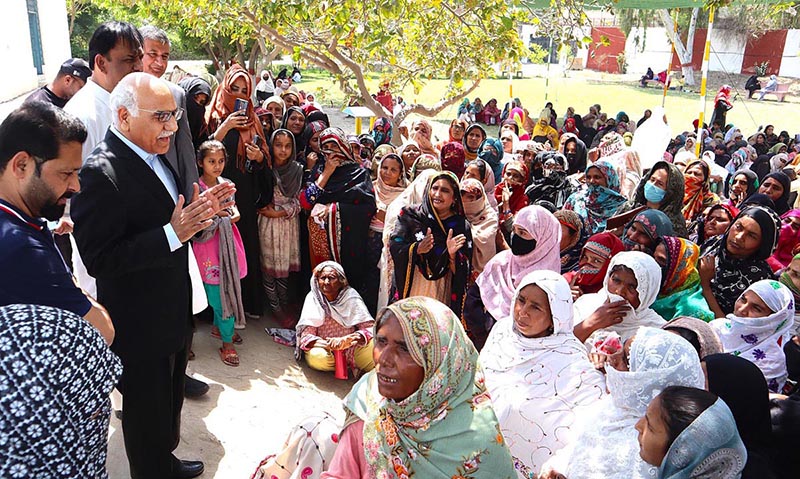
point(187, 220)
point(337, 344)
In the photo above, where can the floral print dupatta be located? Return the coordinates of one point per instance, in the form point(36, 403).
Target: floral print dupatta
point(447, 428)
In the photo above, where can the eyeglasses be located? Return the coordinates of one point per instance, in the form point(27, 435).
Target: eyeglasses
point(164, 116)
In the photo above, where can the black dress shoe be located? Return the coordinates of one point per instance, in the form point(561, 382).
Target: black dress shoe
point(194, 388)
point(187, 469)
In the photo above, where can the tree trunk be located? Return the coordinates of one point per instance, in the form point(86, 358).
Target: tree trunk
point(684, 54)
point(252, 61)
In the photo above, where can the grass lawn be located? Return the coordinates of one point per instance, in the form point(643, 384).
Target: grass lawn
point(681, 108)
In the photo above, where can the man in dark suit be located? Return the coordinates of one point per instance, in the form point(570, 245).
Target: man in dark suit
point(181, 157)
point(131, 227)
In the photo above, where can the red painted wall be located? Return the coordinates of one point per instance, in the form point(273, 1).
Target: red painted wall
point(697, 51)
point(768, 47)
point(604, 58)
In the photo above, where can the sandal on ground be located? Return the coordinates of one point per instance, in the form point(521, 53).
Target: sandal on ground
point(229, 357)
point(236, 338)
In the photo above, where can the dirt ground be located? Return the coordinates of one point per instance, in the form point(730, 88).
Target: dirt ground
point(249, 410)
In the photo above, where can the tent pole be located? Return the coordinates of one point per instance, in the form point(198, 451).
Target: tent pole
point(703, 82)
point(669, 64)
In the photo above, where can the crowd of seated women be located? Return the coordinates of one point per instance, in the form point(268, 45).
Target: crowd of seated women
point(540, 304)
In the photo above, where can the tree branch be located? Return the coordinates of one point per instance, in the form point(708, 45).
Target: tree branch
point(358, 72)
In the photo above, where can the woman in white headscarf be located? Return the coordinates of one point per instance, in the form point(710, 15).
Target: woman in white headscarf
point(630, 287)
point(537, 372)
point(535, 241)
point(759, 327)
point(334, 318)
point(606, 441)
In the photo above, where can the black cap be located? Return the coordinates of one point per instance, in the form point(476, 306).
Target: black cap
point(76, 67)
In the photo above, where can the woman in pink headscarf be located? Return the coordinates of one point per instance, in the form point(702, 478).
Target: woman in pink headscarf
point(535, 240)
point(788, 239)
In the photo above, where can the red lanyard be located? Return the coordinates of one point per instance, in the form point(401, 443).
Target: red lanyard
point(19, 216)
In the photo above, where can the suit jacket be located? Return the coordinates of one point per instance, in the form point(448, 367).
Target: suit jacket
point(119, 216)
point(181, 154)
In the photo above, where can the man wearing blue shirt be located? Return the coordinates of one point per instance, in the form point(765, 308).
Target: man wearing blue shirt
point(40, 155)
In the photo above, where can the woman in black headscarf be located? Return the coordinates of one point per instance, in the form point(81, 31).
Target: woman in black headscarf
point(738, 260)
point(742, 386)
point(294, 120)
point(431, 245)
point(575, 152)
point(778, 187)
point(198, 94)
point(341, 200)
point(740, 186)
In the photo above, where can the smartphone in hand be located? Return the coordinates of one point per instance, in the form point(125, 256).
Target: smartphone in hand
point(240, 105)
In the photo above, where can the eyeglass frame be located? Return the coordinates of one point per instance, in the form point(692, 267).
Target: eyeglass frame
point(176, 113)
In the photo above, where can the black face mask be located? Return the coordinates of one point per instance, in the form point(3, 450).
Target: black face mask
point(521, 246)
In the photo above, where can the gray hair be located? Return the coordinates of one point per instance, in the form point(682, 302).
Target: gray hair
point(124, 96)
point(149, 32)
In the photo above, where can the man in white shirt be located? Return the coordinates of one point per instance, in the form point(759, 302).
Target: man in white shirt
point(115, 50)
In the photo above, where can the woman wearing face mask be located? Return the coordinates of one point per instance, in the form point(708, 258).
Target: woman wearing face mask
point(198, 94)
point(575, 152)
point(537, 372)
point(738, 258)
point(492, 153)
point(431, 245)
point(623, 305)
point(424, 411)
point(593, 264)
point(698, 195)
point(642, 233)
point(605, 445)
point(600, 199)
point(681, 293)
point(662, 188)
point(535, 240)
point(759, 327)
point(690, 433)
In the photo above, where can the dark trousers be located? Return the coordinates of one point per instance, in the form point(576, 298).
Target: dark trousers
point(152, 392)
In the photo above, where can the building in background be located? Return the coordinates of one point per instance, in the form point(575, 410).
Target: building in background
point(34, 42)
